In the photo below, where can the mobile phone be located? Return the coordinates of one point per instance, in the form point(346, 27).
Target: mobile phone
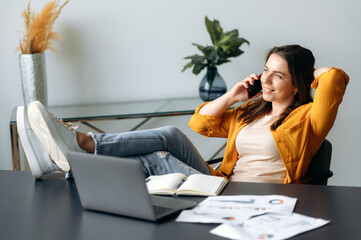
point(255, 88)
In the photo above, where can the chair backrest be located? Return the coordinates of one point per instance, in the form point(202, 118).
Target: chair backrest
point(319, 169)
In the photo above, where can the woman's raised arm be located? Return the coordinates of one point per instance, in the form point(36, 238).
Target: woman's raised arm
point(330, 84)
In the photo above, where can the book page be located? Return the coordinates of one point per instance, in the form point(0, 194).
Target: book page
point(164, 184)
point(200, 184)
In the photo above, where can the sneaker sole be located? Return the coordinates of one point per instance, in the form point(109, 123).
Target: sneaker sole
point(28, 149)
point(41, 123)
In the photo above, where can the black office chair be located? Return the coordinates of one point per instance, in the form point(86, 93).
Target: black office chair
point(319, 170)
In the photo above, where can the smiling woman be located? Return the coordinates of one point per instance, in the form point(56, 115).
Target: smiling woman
point(273, 137)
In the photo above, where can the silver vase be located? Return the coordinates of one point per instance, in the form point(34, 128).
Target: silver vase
point(33, 78)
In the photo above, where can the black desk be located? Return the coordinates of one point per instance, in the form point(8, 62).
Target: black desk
point(50, 209)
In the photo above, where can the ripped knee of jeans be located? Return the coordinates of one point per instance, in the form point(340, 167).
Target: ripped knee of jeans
point(162, 154)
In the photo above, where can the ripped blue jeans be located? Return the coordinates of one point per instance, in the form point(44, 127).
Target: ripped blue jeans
point(162, 150)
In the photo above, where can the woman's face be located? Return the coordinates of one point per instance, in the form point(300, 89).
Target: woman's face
point(277, 82)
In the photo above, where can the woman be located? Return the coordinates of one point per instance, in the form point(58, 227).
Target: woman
point(271, 138)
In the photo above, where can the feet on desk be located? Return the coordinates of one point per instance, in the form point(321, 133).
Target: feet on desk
point(57, 137)
point(36, 155)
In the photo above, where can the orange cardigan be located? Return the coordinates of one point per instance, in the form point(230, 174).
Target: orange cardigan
point(299, 136)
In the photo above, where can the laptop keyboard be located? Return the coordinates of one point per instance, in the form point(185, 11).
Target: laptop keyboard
point(158, 210)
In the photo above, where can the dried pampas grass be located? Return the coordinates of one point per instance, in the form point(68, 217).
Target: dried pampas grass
point(39, 34)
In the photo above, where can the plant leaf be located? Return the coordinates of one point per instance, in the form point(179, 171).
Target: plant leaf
point(237, 42)
point(200, 47)
point(198, 61)
point(231, 47)
point(198, 68)
point(214, 29)
point(188, 65)
point(223, 60)
point(228, 37)
point(234, 52)
point(211, 55)
point(193, 56)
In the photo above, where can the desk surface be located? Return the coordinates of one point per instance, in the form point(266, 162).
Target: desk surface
point(51, 209)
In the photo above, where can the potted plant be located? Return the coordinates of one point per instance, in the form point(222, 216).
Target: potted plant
point(38, 37)
point(225, 45)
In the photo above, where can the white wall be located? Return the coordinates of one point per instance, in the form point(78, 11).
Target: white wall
point(116, 50)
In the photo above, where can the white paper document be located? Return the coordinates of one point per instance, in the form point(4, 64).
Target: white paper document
point(254, 204)
point(236, 209)
point(251, 217)
point(192, 217)
point(270, 226)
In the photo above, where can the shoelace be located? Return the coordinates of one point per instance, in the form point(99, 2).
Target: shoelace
point(69, 125)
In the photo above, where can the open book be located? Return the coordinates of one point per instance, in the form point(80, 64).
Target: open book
point(180, 184)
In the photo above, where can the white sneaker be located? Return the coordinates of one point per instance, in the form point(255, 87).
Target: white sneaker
point(56, 136)
point(37, 156)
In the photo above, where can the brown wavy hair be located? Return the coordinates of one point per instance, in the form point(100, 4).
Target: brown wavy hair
point(301, 66)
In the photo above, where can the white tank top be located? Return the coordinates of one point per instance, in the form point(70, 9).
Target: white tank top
point(258, 156)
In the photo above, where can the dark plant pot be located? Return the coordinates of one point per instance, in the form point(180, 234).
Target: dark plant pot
point(212, 85)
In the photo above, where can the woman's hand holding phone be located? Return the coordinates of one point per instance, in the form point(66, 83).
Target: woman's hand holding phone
point(246, 89)
point(238, 93)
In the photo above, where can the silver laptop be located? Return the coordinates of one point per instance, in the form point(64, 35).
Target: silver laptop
point(117, 185)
